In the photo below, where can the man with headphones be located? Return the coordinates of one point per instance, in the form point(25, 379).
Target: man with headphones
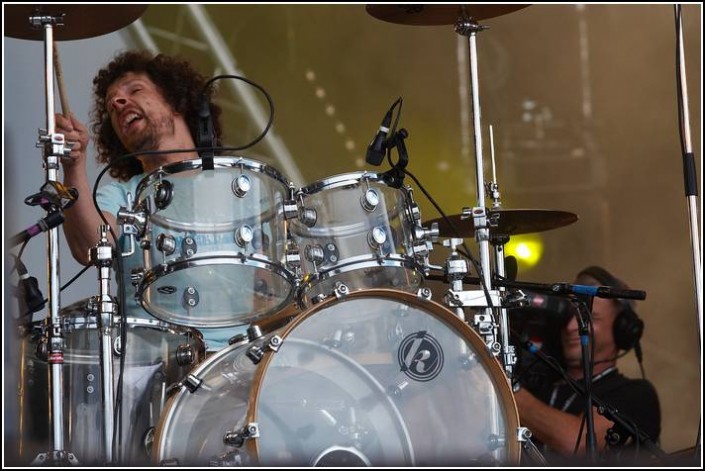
point(554, 412)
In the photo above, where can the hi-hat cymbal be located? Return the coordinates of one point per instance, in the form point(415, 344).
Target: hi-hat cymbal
point(507, 222)
point(431, 15)
point(81, 21)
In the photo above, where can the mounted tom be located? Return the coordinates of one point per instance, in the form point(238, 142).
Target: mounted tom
point(358, 230)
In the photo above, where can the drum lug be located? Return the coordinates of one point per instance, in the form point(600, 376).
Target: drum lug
point(424, 293)
point(192, 383)
point(308, 216)
point(241, 185)
point(291, 210)
point(164, 194)
point(254, 332)
point(185, 355)
point(315, 300)
point(377, 237)
point(370, 200)
point(255, 353)
point(293, 258)
point(314, 254)
point(274, 343)
point(341, 290)
point(237, 439)
point(244, 235)
point(166, 244)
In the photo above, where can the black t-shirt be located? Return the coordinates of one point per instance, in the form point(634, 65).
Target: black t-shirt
point(635, 400)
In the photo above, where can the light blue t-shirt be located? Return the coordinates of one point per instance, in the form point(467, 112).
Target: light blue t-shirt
point(111, 197)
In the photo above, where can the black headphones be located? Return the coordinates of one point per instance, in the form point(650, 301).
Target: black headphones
point(628, 327)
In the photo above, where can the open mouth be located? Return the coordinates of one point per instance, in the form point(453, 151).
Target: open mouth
point(130, 120)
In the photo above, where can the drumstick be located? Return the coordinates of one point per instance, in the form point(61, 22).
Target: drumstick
point(60, 82)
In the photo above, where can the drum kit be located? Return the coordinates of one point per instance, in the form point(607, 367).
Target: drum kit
point(366, 371)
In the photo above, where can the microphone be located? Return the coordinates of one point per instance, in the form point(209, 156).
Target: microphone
point(31, 299)
point(51, 221)
point(376, 149)
point(205, 133)
point(598, 291)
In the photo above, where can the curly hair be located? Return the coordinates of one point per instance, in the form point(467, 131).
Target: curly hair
point(180, 85)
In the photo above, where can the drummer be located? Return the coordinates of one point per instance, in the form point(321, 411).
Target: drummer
point(142, 102)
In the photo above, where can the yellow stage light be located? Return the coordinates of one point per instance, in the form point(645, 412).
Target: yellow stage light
point(527, 248)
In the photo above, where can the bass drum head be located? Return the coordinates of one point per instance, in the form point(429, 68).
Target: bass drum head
point(378, 378)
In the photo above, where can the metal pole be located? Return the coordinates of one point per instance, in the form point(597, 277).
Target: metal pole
point(691, 187)
point(53, 149)
point(102, 257)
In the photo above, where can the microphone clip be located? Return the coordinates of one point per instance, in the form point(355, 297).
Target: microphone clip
point(206, 138)
point(53, 196)
point(395, 176)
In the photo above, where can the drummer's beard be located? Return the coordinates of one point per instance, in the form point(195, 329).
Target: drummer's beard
point(151, 137)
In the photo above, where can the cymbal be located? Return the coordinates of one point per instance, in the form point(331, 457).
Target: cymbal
point(508, 222)
point(431, 15)
point(81, 21)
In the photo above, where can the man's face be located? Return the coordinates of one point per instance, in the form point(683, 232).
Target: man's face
point(604, 312)
point(138, 112)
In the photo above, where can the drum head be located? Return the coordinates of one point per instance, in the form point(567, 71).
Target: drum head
point(379, 378)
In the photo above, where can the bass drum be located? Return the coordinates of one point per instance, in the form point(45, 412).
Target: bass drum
point(374, 378)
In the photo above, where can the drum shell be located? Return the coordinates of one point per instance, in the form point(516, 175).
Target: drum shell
point(365, 231)
point(336, 386)
point(151, 370)
point(213, 246)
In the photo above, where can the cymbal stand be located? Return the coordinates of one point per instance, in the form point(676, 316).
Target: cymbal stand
point(468, 27)
point(498, 241)
point(54, 149)
point(102, 257)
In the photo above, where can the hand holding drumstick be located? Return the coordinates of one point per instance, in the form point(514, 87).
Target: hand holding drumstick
point(75, 133)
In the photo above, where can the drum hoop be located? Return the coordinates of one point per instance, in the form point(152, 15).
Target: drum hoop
point(344, 179)
point(72, 323)
point(356, 263)
point(174, 401)
point(218, 162)
point(495, 370)
point(214, 258)
point(155, 274)
point(223, 257)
